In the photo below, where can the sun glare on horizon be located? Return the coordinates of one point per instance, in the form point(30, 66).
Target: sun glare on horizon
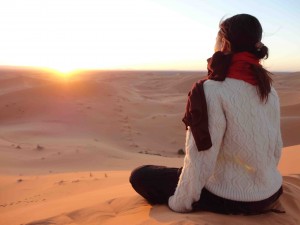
point(68, 35)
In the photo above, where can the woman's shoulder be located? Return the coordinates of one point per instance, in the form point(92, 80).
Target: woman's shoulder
point(212, 85)
point(210, 82)
point(219, 84)
point(228, 88)
point(230, 84)
point(213, 89)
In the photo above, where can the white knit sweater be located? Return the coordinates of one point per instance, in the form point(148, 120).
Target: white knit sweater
point(242, 163)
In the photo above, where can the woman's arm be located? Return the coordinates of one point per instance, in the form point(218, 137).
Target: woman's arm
point(278, 147)
point(279, 144)
point(199, 166)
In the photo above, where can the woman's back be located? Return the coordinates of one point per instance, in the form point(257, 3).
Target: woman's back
point(233, 141)
point(246, 167)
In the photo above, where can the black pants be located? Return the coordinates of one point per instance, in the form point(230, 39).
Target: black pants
point(157, 183)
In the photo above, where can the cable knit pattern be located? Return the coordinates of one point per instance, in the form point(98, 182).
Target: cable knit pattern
point(242, 163)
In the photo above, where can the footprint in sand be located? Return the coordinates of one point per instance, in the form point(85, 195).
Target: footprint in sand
point(126, 127)
point(39, 147)
point(134, 145)
point(124, 119)
point(61, 182)
point(119, 109)
point(129, 139)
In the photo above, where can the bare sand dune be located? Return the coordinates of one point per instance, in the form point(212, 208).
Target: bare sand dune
point(289, 127)
point(19, 80)
point(289, 162)
point(106, 198)
point(288, 81)
point(290, 123)
point(68, 144)
point(288, 87)
point(291, 110)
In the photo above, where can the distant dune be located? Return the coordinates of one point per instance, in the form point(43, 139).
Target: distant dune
point(67, 146)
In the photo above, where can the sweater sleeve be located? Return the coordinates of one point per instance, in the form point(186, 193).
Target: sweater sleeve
point(199, 165)
point(279, 143)
point(278, 147)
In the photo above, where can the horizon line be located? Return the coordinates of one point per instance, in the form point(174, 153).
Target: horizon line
point(12, 67)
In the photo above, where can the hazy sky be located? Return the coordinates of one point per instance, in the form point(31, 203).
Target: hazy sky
point(137, 34)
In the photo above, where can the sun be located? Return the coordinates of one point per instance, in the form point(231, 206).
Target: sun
point(64, 73)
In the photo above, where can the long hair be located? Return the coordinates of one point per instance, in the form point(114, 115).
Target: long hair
point(243, 32)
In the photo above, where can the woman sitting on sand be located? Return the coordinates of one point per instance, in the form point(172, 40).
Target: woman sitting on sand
point(233, 140)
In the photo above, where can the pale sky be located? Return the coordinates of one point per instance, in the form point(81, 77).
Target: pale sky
point(137, 34)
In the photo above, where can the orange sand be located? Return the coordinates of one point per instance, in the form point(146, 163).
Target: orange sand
point(67, 147)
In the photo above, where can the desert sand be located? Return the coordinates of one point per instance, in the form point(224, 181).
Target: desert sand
point(68, 145)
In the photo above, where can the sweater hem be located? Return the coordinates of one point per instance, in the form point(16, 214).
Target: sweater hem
point(235, 195)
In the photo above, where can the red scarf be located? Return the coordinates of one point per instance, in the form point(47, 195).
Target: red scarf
point(219, 67)
point(240, 68)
